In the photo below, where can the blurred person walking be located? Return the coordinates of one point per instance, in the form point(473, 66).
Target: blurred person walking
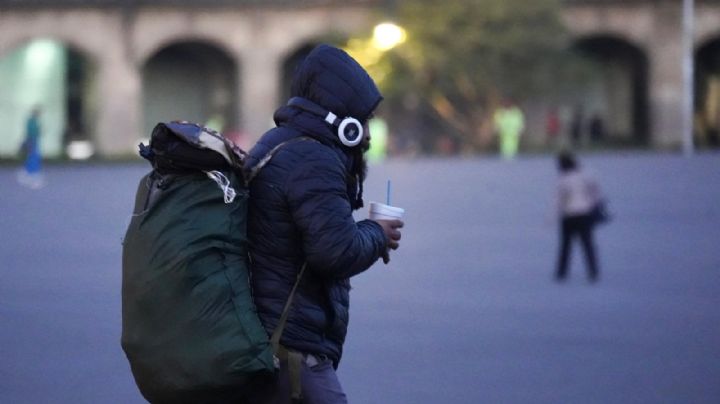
point(597, 128)
point(300, 223)
point(509, 123)
point(552, 127)
point(576, 126)
point(31, 173)
point(578, 196)
point(378, 148)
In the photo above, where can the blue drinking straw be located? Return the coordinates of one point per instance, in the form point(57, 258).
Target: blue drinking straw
point(388, 194)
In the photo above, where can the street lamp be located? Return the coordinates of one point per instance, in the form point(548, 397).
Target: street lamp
point(388, 35)
point(688, 22)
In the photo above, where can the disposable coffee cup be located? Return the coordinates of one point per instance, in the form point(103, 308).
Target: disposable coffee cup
point(381, 211)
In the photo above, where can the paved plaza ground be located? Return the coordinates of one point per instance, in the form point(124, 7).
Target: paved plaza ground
point(466, 312)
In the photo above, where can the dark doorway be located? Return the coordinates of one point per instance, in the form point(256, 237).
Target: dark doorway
point(707, 94)
point(191, 81)
point(618, 94)
point(290, 64)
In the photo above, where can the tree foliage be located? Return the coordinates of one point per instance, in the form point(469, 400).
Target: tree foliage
point(461, 58)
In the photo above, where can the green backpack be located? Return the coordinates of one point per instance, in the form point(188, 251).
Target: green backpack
point(190, 329)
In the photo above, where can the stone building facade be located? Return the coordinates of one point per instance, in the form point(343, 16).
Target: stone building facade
point(119, 38)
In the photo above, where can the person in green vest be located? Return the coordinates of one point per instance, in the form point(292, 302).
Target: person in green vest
point(378, 148)
point(216, 122)
point(509, 124)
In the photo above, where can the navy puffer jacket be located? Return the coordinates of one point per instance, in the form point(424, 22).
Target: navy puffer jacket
point(301, 209)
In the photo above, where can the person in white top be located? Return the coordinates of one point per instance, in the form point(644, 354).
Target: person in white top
point(578, 194)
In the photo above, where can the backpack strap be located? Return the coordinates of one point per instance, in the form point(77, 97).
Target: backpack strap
point(294, 358)
point(275, 339)
point(254, 171)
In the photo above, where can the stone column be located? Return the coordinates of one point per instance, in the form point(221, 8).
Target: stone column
point(119, 95)
point(666, 79)
point(118, 115)
point(259, 90)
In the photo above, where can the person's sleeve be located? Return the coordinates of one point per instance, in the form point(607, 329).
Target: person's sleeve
point(335, 246)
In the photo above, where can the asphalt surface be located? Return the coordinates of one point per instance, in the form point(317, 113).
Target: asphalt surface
point(466, 311)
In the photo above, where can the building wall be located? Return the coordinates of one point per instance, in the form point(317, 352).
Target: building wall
point(35, 75)
point(118, 42)
point(655, 27)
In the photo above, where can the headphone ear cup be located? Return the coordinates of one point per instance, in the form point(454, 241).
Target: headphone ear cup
point(350, 132)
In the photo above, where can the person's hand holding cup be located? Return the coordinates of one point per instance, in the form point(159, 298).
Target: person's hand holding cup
point(388, 217)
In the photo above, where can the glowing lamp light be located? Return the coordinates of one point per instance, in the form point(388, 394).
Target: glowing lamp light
point(41, 54)
point(80, 150)
point(387, 36)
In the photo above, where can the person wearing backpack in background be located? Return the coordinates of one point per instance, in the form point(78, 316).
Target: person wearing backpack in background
point(579, 197)
point(31, 173)
point(300, 222)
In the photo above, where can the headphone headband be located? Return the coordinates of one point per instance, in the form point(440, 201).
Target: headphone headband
point(349, 130)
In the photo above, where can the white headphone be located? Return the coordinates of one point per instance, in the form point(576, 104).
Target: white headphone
point(349, 130)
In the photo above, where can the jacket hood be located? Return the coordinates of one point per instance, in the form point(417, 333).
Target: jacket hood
point(332, 79)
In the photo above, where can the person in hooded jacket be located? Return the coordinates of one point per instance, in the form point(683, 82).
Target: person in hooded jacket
point(300, 214)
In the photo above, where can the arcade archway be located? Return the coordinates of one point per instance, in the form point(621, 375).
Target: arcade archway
point(293, 59)
point(61, 81)
point(707, 94)
point(616, 93)
point(192, 81)
point(291, 62)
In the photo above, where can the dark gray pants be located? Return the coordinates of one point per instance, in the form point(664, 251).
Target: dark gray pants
point(577, 227)
point(320, 385)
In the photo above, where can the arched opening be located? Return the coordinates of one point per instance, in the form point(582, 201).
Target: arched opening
point(60, 81)
point(290, 64)
point(191, 81)
point(81, 106)
point(294, 58)
point(611, 105)
point(707, 94)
